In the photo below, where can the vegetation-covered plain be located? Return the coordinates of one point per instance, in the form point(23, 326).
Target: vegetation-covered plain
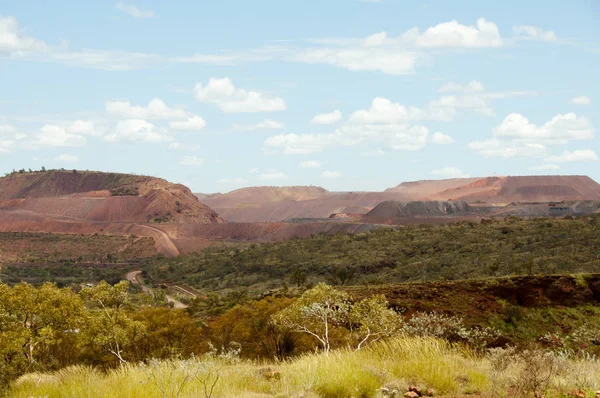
point(462, 250)
point(264, 324)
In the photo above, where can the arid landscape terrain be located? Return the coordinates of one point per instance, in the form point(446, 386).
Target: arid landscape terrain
point(83, 202)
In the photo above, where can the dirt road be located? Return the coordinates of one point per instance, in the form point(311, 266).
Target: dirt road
point(135, 278)
point(163, 242)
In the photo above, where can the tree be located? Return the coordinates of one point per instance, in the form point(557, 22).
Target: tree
point(371, 320)
point(32, 322)
point(316, 313)
point(298, 277)
point(109, 327)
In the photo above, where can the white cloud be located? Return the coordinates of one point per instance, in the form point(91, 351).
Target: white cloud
point(327, 118)
point(266, 124)
point(445, 107)
point(230, 99)
point(331, 174)
point(301, 143)
point(507, 149)
point(9, 138)
point(254, 170)
point(533, 32)
point(191, 161)
point(471, 87)
point(389, 59)
point(14, 42)
point(7, 130)
point(84, 127)
point(441, 139)
point(137, 130)
point(560, 129)
point(544, 167)
point(271, 175)
point(237, 180)
point(311, 164)
point(581, 100)
point(516, 136)
point(454, 34)
point(582, 155)
point(55, 136)
point(134, 11)
point(193, 123)
point(383, 110)
point(395, 136)
point(378, 52)
point(449, 172)
point(156, 110)
point(65, 158)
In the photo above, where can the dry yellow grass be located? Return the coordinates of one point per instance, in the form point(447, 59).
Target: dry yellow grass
point(425, 362)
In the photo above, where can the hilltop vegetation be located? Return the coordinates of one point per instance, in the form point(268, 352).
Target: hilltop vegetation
point(462, 250)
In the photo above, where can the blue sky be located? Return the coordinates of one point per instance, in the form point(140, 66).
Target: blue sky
point(345, 94)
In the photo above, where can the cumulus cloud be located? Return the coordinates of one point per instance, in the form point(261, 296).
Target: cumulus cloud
point(191, 161)
point(327, 118)
point(331, 174)
point(192, 123)
point(137, 130)
point(582, 155)
point(266, 124)
point(133, 11)
point(66, 158)
point(560, 129)
point(224, 94)
point(471, 96)
point(544, 167)
point(516, 136)
point(14, 42)
point(84, 127)
point(581, 100)
point(271, 175)
point(55, 136)
point(155, 110)
point(449, 172)
point(311, 164)
point(441, 139)
point(456, 35)
point(383, 110)
point(534, 32)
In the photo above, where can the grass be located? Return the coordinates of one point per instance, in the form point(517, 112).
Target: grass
point(394, 364)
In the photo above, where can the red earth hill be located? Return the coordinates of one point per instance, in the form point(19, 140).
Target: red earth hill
point(102, 197)
point(260, 204)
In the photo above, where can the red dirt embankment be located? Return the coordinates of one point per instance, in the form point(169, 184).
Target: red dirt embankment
point(476, 300)
point(107, 197)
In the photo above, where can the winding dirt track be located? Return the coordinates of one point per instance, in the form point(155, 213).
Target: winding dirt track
point(163, 242)
point(134, 278)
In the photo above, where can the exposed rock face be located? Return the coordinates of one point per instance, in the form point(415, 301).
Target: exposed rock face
point(390, 210)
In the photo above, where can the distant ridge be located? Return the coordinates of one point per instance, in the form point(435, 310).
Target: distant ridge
point(257, 204)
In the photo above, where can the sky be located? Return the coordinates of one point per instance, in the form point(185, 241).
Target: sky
point(344, 94)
